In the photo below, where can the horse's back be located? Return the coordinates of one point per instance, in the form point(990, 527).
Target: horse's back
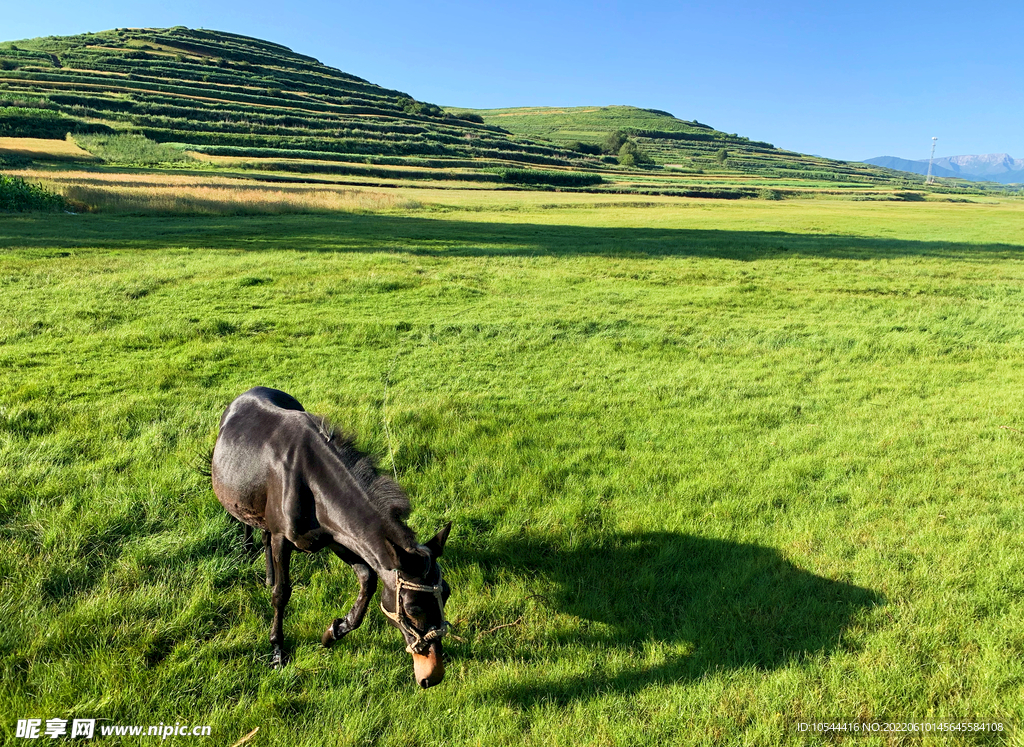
point(260, 398)
point(252, 429)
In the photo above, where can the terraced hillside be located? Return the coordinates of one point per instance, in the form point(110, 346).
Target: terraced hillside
point(686, 145)
point(231, 104)
point(226, 94)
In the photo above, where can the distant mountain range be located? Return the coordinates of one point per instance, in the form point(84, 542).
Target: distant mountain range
point(994, 167)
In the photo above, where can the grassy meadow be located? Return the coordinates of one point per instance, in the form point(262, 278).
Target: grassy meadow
point(715, 468)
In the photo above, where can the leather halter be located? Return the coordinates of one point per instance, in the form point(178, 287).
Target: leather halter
point(421, 641)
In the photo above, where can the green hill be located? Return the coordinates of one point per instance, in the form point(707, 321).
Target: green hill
point(671, 142)
point(228, 94)
point(591, 123)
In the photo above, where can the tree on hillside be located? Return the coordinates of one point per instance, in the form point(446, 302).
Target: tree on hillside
point(631, 155)
point(722, 156)
point(614, 142)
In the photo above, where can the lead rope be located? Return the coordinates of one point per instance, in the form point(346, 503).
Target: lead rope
point(422, 640)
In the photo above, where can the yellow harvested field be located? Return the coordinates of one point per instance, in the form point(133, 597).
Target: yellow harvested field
point(32, 147)
point(208, 195)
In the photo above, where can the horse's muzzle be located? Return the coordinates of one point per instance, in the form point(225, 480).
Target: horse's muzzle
point(429, 669)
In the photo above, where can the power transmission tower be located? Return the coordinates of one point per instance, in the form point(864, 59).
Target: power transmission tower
point(931, 179)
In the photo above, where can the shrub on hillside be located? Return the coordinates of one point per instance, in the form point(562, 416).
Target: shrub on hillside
point(419, 108)
point(17, 195)
point(470, 117)
point(590, 149)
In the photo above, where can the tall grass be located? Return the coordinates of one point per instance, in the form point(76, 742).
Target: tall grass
point(130, 150)
point(167, 194)
point(235, 200)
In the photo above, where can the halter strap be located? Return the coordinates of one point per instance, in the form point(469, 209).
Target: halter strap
point(421, 641)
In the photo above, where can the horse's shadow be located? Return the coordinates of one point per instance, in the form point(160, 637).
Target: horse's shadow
point(725, 605)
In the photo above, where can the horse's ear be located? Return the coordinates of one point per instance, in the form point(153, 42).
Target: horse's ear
point(436, 544)
point(411, 560)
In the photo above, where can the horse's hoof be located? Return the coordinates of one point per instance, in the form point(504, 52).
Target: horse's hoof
point(278, 660)
point(329, 637)
point(334, 632)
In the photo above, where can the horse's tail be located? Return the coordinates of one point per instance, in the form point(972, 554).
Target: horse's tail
point(203, 463)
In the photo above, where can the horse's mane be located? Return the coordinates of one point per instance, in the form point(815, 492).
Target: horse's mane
point(386, 496)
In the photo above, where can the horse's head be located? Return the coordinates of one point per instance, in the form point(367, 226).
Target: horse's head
point(413, 600)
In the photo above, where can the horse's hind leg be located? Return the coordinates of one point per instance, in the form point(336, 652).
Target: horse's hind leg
point(268, 554)
point(282, 550)
point(354, 618)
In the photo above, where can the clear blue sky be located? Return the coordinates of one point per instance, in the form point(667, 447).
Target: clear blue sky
point(841, 79)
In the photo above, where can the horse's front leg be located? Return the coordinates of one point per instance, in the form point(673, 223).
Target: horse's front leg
point(282, 550)
point(367, 586)
point(268, 554)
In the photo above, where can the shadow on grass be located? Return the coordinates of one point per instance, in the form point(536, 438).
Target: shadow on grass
point(738, 606)
point(450, 238)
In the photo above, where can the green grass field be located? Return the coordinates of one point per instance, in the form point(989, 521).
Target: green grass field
point(715, 468)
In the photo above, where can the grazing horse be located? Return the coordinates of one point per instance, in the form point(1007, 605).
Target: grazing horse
point(277, 467)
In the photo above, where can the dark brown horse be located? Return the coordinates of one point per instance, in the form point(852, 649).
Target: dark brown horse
point(277, 467)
